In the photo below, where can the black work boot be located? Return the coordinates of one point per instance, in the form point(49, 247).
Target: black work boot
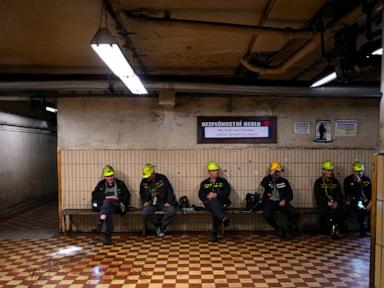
point(363, 231)
point(335, 232)
point(289, 235)
point(291, 231)
point(280, 232)
point(98, 226)
point(225, 221)
point(107, 238)
point(214, 237)
point(159, 231)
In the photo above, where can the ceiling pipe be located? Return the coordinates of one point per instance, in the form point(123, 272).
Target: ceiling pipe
point(226, 89)
point(86, 88)
point(309, 47)
point(58, 85)
point(208, 26)
point(267, 11)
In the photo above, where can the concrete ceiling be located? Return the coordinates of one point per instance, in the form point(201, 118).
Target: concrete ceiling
point(169, 38)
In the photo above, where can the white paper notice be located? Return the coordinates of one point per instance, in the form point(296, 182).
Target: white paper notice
point(301, 127)
point(236, 132)
point(346, 127)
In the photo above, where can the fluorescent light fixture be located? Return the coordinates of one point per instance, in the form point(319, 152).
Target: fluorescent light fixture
point(109, 51)
point(324, 80)
point(378, 52)
point(51, 109)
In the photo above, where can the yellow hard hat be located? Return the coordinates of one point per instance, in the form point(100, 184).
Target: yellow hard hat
point(148, 170)
point(108, 171)
point(327, 165)
point(357, 166)
point(275, 166)
point(212, 166)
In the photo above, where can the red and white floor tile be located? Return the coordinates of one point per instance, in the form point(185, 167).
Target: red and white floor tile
point(178, 260)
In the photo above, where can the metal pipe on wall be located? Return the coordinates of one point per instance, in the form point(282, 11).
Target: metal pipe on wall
point(85, 88)
point(6, 124)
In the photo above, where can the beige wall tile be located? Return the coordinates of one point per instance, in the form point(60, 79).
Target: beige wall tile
point(379, 222)
point(380, 178)
point(244, 169)
point(382, 268)
point(378, 266)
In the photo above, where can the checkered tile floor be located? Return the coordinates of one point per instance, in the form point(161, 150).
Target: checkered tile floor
point(184, 260)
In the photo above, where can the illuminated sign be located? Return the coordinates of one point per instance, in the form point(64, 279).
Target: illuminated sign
point(236, 129)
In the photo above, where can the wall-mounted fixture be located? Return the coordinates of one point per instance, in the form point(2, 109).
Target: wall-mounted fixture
point(51, 109)
point(378, 52)
point(328, 78)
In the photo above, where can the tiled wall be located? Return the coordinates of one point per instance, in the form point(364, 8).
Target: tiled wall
point(379, 245)
point(244, 169)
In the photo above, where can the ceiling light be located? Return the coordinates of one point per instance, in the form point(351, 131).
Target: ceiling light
point(109, 51)
point(324, 80)
point(378, 52)
point(51, 109)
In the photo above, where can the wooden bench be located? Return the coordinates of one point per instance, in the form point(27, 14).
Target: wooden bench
point(301, 213)
point(67, 215)
point(180, 213)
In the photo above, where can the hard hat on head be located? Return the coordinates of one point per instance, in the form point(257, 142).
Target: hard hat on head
point(212, 166)
point(357, 166)
point(327, 165)
point(108, 171)
point(275, 166)
point(148, 170)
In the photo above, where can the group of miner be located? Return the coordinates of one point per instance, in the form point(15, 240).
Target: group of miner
point(333, 202)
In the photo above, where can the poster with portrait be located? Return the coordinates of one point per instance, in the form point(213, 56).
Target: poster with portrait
point(323, 130)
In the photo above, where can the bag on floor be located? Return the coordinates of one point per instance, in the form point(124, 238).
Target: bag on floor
point(253, 202)
point(184, 204)
point(198, 208)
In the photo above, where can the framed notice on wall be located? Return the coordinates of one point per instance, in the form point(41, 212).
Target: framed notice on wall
point(301, 127)
point(236, 129)
point(323, 131)
point(346, 127)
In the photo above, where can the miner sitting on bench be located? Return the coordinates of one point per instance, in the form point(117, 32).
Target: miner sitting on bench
point(110, 196)
point(156, 193)
point(214, 193)
point(277, 196)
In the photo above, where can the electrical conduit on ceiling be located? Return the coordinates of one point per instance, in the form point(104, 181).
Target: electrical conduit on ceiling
point(207, 26)
point(309, 47)
point(287, 33)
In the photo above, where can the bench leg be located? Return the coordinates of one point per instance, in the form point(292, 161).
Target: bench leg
point(299, 221)
point(144, 227)
point(63, 224)
point(66, 223)
point(69, 223)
